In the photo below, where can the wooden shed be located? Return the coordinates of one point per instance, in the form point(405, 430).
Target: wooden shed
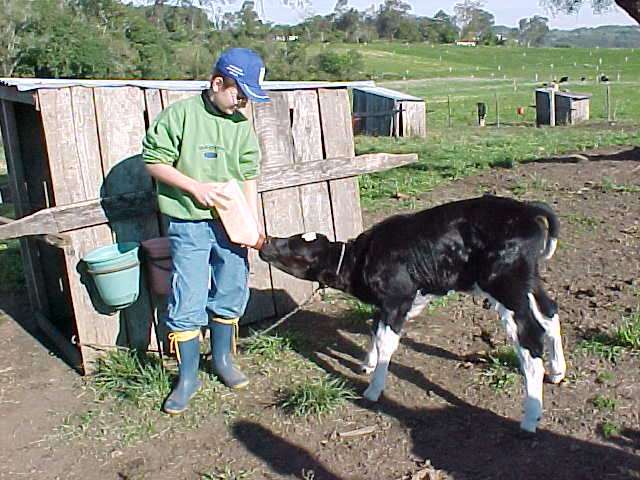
point(561, 108)
point(384, 112)
point(78, 182)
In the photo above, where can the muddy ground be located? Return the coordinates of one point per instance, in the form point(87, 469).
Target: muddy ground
point(439, 417)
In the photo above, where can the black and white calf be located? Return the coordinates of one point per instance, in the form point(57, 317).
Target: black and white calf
point(488, 246)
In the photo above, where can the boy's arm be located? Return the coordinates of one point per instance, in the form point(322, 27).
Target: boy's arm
point(204, 193)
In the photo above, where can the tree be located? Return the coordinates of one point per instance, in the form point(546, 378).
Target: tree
point(390, 17)
point(12, 25)
point(474, 22)
point(531, 32)
point(632, 7)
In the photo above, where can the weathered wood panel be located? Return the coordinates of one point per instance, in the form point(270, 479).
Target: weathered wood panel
point(172, 96)
point(89, 213)
point(414, 120)
point(261, 302)
point(337, 132)
point(120, 114)
point(153, 102)
point(307, 147)
point(282, 209)
point(56, 107)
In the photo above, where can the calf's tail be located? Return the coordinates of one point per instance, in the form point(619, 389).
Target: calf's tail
point(550, 224)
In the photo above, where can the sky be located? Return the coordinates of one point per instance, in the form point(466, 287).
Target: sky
point(506, 12)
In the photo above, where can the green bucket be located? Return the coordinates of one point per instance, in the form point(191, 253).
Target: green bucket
point(116, 272)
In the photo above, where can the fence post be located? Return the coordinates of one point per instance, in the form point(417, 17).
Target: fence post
point(497, 111)
point(449, 109)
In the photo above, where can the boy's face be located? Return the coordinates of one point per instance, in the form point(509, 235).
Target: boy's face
point(226, 95)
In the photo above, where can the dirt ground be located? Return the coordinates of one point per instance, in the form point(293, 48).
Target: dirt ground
point(437, 419)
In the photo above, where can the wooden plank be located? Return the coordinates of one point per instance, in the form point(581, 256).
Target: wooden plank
point(65, 218)
point(414, 119)
point(93, 321)
point(273, 127)
point(121, 127)
point(153, 102)
point(89, 213)
point(261, 302)
point(283, 216)
point(56, 220)
point(282, 209)
point(336, 168)
point(12, 94)
point(29, 253)
point(337, 134)
point(56, 110)
point(172, 96)
point(307, 146)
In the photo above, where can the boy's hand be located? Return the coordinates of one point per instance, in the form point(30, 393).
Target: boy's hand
point(208, 194)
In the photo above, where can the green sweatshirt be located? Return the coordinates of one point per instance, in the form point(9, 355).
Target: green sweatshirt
point(203, 143)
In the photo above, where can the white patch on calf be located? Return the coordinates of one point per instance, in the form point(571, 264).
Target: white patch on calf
point(552, 340)
point(386, 343)
point(310, 236)
point(419, 302)
point(532, 368)
point(371, 359)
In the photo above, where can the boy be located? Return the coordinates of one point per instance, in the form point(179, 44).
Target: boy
point(192, 143)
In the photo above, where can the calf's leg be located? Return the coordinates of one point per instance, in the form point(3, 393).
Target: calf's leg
point(386, 343)
point(552, 339)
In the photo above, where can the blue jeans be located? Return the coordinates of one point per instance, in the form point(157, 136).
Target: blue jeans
point(210, 274)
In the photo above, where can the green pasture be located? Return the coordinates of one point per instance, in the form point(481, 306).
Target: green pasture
point(453, 79)
point(457, 78)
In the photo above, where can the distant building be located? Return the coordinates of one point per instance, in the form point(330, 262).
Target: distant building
point(467, 43)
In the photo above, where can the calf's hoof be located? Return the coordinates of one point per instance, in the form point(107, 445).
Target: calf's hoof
point(366, 369)
point(555, 378)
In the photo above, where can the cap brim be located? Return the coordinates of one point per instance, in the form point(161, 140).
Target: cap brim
point(253, 93)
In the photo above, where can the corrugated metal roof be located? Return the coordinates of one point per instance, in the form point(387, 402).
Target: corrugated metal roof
point(388, 93)
point(24, 84)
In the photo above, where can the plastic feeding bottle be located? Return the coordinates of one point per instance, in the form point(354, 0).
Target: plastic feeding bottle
point(236, 216)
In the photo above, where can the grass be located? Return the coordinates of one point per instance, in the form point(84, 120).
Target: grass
point(11, 270)
point(268, 347)
point(129, 390)
point(610, 346)
point(227, 473)
point(585, 223)
point(609, 429)
point(501, 371)
point(452, 154)
point(316, 396)
point(603, 403)
point(609, 185)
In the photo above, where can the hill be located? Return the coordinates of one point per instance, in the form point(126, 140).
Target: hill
point(609, 36)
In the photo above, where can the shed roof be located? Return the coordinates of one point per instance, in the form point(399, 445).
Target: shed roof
point(571, 95)
point(388, 93)
point(24, 84)
point(574, 96)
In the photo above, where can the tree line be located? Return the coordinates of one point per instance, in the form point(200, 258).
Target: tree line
point(162, 40)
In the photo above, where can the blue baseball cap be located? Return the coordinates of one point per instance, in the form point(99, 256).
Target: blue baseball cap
point(247, 68)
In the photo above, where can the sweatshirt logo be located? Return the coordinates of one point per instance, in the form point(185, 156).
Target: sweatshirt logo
point(210, 152)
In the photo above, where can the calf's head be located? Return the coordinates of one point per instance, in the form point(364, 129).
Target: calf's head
point(307, 256)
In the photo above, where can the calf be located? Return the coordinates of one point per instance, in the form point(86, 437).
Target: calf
point(488, 246)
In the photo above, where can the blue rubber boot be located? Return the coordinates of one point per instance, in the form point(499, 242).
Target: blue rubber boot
point(222, 344)
point(188, 353)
